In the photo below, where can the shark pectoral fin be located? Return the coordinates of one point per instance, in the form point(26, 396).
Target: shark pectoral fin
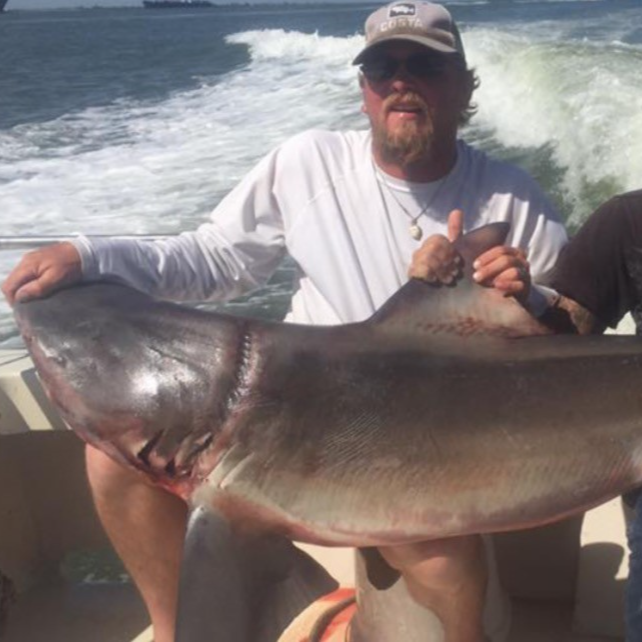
point(304, 582)
point(460, 310)
point(238, 587)
point(214, 602)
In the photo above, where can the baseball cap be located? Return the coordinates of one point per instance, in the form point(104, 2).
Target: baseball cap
point(425, 23)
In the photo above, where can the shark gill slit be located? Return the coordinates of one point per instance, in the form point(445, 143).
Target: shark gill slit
point(201, 444)
point(239, 387)
point(144, 453)
point(170, 467)
point(241, 372)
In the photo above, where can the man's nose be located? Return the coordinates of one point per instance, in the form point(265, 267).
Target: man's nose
point(402, 79)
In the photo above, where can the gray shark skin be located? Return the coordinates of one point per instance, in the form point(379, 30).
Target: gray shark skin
point(451, 411)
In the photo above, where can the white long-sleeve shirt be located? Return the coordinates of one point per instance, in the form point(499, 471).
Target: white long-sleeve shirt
point(319, 198)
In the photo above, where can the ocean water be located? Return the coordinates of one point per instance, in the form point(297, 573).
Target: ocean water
point(136, 121)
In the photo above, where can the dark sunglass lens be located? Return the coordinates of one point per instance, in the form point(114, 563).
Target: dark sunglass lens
point(379, 69)
point(422, 66)
point(419, 65)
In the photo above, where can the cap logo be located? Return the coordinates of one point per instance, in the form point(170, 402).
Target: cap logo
point(423, 23)
point(402, 9)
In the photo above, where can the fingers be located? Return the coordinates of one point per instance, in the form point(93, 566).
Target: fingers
point(500, 252)
point(36, 288)
point(21, 275)
point(502, 267)
point(506, 269)
point(16, 280)
point(436, 261)
point(516, 283)
point(42, 271)
point(455, 225)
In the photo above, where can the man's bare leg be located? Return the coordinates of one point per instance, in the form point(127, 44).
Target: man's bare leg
point(146, 526)
point(449, 577)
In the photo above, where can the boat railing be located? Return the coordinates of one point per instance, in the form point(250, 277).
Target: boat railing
point(30, 242)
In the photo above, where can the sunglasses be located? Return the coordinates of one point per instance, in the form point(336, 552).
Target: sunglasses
point(420, 65)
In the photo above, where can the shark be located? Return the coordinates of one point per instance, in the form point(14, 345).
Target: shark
point(450, 411)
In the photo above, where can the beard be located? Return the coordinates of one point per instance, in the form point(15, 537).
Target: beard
point(410, 141)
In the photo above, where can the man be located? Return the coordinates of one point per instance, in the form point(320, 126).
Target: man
point(351, 209)
point(599, 279)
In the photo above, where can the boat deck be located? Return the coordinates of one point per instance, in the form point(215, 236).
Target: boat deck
point(114, 613)
point(547, 622)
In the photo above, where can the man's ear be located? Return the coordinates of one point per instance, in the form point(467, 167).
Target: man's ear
point(362, 82)
point(469, 83)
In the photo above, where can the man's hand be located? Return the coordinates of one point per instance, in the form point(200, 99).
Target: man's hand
point(506, 269)
point(43, 271)
point(437, 261)
point(503, 268)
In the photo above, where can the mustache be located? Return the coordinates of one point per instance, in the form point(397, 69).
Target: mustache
point(409, 99)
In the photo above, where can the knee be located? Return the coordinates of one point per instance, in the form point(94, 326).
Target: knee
point(449, 561)
point(106, 475)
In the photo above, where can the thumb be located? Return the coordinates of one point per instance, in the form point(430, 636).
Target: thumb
point(455, 225)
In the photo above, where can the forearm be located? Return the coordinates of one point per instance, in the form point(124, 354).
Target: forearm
point(566, 316)
point(194, 266)
point(584, 321)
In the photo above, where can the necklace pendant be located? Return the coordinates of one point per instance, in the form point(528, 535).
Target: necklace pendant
point(416, 232)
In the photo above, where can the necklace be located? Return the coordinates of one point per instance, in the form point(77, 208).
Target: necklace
point(416, 232)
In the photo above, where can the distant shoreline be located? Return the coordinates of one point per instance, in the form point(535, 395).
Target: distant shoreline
point(214, 6)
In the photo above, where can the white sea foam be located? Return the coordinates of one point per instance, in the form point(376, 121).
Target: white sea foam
point(581, 99)
point(162, 166)
point(147, 167)
point(140, 167)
